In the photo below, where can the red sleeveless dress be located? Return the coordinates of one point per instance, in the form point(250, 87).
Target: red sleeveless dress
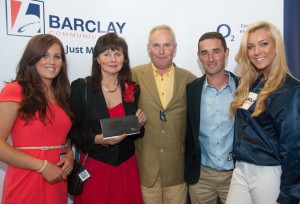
point(27, 186)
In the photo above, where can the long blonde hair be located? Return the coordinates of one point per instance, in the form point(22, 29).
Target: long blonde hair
point(249, 73)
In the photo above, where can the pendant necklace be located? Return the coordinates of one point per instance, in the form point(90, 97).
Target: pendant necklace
point(110, 91)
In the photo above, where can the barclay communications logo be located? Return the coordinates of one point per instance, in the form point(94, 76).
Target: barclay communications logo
point(25, 17)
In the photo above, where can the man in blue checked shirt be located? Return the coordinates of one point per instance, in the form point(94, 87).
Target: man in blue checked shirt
point(209, 141)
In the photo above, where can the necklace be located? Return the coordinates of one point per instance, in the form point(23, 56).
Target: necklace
point(110, 91)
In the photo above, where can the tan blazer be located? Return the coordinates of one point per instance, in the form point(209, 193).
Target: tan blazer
point(162, 148)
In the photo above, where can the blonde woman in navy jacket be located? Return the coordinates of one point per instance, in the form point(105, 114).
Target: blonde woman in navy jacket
point(267, 110)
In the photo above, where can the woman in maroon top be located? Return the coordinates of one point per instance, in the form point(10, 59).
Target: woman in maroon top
point(110, 93)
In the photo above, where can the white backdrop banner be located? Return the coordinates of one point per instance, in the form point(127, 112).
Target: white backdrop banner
point(79, 23)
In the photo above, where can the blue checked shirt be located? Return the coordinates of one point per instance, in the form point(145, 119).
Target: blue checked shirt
point(216, 127)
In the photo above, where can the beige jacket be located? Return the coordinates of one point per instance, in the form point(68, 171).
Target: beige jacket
point(162, 147)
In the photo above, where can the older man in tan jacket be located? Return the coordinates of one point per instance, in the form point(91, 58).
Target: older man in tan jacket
point(160, 153)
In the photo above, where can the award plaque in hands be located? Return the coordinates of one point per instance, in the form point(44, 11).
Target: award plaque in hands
point(113, 127)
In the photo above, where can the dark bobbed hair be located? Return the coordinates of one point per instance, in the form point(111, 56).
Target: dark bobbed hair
point(33, 94)
point(110, 41)
point(213, 35)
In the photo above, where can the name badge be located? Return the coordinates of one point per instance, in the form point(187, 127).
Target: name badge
point(250, 100)
point(84, 174)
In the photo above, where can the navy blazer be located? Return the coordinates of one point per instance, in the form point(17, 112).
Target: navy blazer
point(192, 156)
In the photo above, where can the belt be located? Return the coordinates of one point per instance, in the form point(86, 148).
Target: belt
point(217, 169)
point(45, 147)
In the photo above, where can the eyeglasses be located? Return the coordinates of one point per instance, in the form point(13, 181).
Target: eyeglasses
point(162, 116)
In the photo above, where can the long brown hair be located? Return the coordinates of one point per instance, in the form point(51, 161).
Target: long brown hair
point(33, 94)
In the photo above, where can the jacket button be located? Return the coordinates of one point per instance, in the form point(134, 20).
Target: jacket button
point(161, 150)
point(163, 131)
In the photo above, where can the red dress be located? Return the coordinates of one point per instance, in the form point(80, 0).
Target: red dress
point(111, 184)
point(26, 186)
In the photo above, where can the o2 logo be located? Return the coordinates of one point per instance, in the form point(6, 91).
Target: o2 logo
point(225, 30)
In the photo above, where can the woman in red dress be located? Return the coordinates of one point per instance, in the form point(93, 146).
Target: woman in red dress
point(110, 93)
point(35, 112)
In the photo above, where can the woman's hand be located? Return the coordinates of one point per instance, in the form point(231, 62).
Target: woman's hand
point(66, 163)
point(111, 141)
point(52, 173)
point(141, 117)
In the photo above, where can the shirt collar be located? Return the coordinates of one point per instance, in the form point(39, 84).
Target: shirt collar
point(230, 83)
point(170, 69)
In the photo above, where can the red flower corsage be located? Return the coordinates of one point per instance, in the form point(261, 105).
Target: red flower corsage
point(128, 94)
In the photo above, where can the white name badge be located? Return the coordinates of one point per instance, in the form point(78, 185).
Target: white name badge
point(250, 100)
point(84, 175)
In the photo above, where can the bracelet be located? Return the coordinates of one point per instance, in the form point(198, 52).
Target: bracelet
point(43, 167)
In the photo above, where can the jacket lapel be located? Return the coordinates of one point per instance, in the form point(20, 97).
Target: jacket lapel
point(149, 83)
point(197, 99)
point(178, 89)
